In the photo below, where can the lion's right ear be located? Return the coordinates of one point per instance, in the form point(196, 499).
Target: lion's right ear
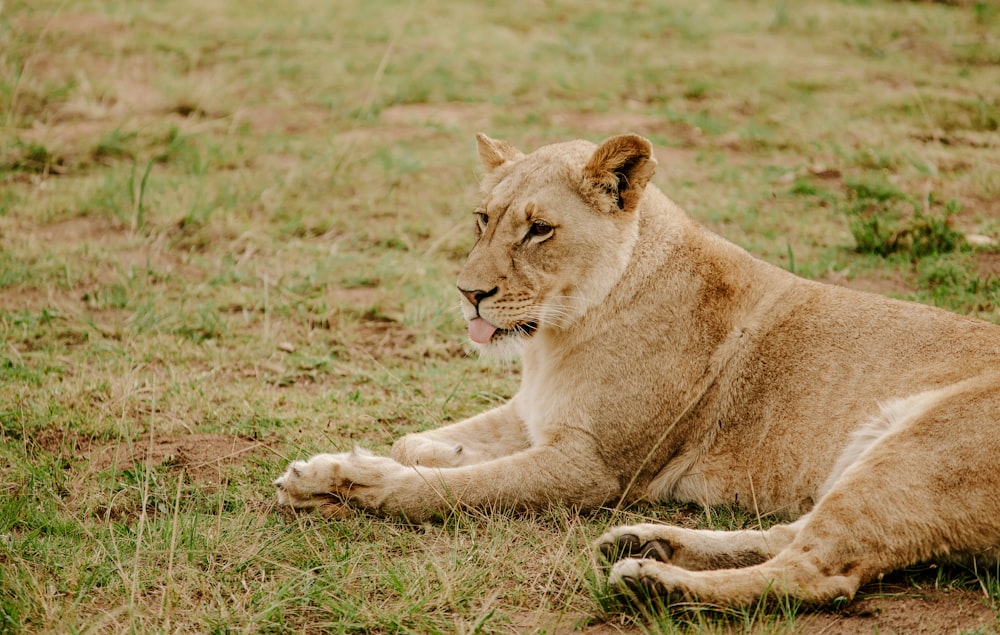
point(620, 168)
point(494, 153)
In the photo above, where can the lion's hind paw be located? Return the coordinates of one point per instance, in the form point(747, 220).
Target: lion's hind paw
point(637, 541)
point(643, 580)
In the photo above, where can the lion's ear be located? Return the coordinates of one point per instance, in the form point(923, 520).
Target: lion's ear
point(621, 167)
point(494, 153)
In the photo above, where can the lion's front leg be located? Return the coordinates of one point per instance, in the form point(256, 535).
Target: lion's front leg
point(492, 434)
point(530, 480)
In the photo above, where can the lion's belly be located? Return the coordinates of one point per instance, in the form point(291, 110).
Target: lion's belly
point(762, 468)
point(758, 494)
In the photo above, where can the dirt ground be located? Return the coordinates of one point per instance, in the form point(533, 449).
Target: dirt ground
point(202, 457)
point(880, 608)
point(904, 610)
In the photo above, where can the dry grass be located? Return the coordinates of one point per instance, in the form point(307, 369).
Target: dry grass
point(229, 231)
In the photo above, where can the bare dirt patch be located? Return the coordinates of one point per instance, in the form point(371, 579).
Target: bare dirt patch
point(77, 229)
point(906, 610)
point(456, 115)
point(898, 608)
point(284, 118)
point(74, 23)
point(382, 133)
point(34, 299)
point(359, 298)
point(988, 265)
point(420, 121)
point(201, 457)
point(611, 123)
point(384, 337)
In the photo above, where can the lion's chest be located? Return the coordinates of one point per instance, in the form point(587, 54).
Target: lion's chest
point(550, 401)
point(543, 411)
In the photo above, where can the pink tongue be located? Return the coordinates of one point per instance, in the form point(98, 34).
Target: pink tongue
point(480, 331)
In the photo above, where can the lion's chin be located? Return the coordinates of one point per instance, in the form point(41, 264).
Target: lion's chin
point(482, 332)
point(506, 344)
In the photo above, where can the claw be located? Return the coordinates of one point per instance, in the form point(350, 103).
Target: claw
point(657, 550)
point(623, 546)
point(636, 585)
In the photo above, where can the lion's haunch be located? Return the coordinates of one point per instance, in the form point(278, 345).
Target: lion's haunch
point(480, 331)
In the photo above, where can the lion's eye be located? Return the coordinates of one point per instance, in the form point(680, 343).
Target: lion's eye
point(482, 220)
point(540, 230)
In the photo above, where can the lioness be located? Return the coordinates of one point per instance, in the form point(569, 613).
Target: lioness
point(663, 362)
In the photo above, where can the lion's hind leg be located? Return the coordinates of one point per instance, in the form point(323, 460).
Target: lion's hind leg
point(926, 488)
point(824, 559)
point(696, 549)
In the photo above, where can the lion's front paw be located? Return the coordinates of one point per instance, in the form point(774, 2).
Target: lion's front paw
point(327, 480)
point(309, 483)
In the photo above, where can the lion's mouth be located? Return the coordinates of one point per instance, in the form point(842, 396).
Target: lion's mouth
point(481, 331)
point(525, 329)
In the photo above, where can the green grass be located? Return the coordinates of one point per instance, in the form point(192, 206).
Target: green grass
point(243, 220)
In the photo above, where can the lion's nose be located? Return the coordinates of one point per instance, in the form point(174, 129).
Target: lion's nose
point(477, 296)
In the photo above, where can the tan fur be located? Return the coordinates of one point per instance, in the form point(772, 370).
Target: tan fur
point(662, 362)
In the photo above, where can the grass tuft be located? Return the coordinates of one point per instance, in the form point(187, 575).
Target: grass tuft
point(885, 221)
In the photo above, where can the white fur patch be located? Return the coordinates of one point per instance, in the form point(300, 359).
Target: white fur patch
point(893, 415)
point(504, 349)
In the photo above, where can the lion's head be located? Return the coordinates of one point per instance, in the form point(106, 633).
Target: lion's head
point(554, 233)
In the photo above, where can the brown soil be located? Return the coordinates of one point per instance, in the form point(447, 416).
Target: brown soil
point(291, 119)
point(899, 609)
point(906, 610)
point(76, 23)
point(360, 298)
point(201, 457)
point(34, 299)
point(77, 230)
point(455, 115)
point(989, 265)
point(611, 123)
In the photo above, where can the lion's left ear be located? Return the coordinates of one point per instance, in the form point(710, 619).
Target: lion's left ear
point(494, 152)
point(621, 167)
